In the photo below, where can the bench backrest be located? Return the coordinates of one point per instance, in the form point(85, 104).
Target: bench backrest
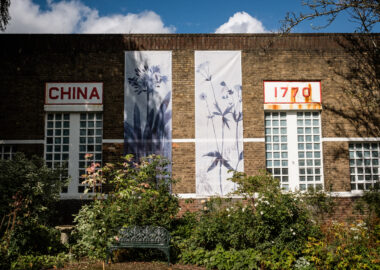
point(144, 235)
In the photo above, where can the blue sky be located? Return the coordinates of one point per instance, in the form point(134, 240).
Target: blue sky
point(165, 16)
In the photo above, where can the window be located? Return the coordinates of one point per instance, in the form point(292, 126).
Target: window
point(7, 151)
point(364, 165)
point(69, 136)
point(294, 150)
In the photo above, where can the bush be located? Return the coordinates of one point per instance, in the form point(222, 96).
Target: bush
point(28, 189)
point(268, 229)
point(28, 192)
point(140, 196)
point(250, 258)
point(31, 262)
point(274, 218)
point(343, 247)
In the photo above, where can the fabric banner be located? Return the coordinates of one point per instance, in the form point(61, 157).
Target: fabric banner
point(218, 120)
point(147, 103)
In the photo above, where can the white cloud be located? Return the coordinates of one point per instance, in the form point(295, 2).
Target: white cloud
point(145, 22)
point(74, 17)
point(241, 22)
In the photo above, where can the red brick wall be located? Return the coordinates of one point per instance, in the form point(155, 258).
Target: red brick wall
point(28, 61)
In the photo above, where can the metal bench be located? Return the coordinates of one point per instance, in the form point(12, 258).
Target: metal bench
point(141, 237)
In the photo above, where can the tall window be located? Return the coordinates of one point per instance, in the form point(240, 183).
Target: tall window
point(7, 151)
point(69, 136)
point(294, 149)
point(364, 165)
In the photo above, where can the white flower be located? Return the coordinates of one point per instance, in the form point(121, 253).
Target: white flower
point(228, 209)
point(203, 201)
point(261, 213)
point(294, 233)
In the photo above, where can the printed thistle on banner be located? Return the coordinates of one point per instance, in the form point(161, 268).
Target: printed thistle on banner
point(151, 137)
point(224, 114)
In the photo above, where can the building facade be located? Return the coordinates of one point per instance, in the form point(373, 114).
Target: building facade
point(211, 103)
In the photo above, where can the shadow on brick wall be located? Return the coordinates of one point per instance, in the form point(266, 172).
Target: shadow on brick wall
point(357, 78)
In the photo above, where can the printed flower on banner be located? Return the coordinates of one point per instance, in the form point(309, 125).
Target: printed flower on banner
point(226, 107)
point(148, 138)
point(218, 159)
point(204, 70)
point(147, 79)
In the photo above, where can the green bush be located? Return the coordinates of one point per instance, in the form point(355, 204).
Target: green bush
point(140, 196)
point(232, 259)
point(345, 247)
point(268, 229)
point(28, 189)
point(35, 239)
point(28, 193)
point(274, 218)
point(33, 262)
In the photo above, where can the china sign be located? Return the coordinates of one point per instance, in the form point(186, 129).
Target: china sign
point(74, 93)
point(292, 95)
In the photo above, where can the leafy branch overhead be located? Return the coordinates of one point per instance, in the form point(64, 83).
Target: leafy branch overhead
point(364, 13)
point(4, 13)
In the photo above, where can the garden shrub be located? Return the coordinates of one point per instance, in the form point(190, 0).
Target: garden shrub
point(28, 189)
point(38, 262)
point(274, 218)
point(28, 193)
point(250, 258)
point(345, 247)
point(269, 228)
point(140, 196)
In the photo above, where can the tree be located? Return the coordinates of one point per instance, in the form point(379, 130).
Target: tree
point(365, 13)
point(4, 14)
point(358, 76)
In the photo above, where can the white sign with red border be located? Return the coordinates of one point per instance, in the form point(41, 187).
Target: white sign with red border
point(292, 95)
point(80, 96)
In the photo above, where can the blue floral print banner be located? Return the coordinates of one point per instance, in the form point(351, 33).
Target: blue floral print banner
point(147, 103)
point(218, 120)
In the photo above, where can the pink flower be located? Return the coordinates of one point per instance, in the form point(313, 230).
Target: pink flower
point(86, 156)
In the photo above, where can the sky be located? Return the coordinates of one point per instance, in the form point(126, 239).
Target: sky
point(163, 16)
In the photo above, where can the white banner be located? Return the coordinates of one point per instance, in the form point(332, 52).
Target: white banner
point(147, 103)
point(218, 120)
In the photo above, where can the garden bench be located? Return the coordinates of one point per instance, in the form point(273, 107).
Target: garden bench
point(141, 237)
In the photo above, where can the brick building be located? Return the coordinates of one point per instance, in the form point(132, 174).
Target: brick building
point(290, 106)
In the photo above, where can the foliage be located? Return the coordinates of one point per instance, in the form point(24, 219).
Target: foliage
point(370, 201)
point(344, 247)
point(250, 258)
point(141, 196)
point(4, 13)
point(28, 192)
point(35, 239)
point(268, 229)
point(364, 13)
point(40, 262)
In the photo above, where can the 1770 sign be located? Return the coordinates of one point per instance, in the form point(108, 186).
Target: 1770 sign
point(285, 95)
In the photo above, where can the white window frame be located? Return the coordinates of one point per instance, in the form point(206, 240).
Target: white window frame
point(11, 151)
point(293, 160)
point(74, 152)
point(363, 175)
